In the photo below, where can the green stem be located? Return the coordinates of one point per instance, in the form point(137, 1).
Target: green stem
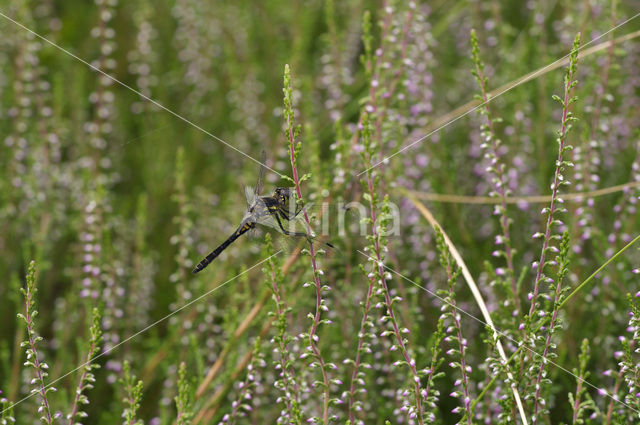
point(495, 377)
point(587, 280)
point(575, 291)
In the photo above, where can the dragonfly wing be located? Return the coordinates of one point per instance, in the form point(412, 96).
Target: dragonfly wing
point(261, 172)
point(249, 194)
point(281, 225)
point(270, 221)
point(290, 243)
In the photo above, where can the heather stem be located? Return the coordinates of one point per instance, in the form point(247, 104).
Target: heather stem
point(388, 302)
point(312, 253)
point(612, 401)
point(582, 374)
point(576, 403)
point(497, 168)
point(557, 178)
point(452, 272)
point(381, 272)
point(289, 384)
point(382, 52)
point(32, 352)
point(563, 264)
point(463, 358)
point(361, 337)
point(87, 378)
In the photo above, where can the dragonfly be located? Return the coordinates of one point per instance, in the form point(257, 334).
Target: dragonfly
point(276, 211)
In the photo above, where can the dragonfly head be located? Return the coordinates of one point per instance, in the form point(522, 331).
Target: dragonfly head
point(282, 195)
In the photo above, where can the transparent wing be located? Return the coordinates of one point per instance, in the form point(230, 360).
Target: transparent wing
point(288, 228)
point(291, 243)
point(290, 234)
point(261, 171)
point(269, 221)
point(249, 194)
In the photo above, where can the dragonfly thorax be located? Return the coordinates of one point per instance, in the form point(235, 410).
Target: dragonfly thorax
point(282, 195)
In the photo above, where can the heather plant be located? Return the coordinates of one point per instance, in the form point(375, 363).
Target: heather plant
point(421, 140)
point(491, 144)
point(40, 367)
point(184, 399)
point(132, 395)
point(454, 338)
point(285, 380)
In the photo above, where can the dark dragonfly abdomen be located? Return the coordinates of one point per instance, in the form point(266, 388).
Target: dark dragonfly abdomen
point(212, 256)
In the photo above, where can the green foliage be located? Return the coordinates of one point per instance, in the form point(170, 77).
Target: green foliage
point(630, 364)
point(184, 399)
point(287, 381)
point(582, 402)
point(33, 339)
point(455, 339)
point(132, 389)
point(367, 39)
point(87, 377)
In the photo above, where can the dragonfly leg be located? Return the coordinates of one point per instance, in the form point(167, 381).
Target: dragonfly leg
point(286, 232)
point(286, 212)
